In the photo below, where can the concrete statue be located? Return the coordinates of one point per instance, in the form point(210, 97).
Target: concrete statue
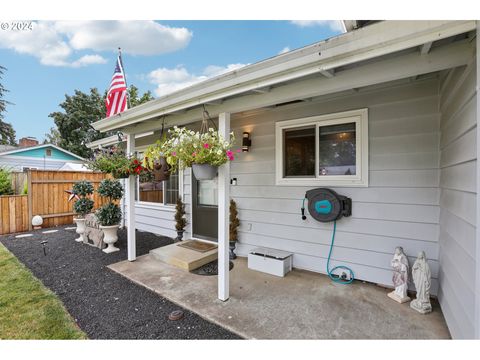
point(400, 268)
point(422, 278)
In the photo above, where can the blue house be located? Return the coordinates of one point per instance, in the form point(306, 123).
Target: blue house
point(40, 157)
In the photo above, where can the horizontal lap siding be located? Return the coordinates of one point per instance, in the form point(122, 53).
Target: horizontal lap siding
point(458, 200)
point(400, 206)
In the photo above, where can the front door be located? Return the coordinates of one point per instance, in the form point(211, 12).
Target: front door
point(205, 208)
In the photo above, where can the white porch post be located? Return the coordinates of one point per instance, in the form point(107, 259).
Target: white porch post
point(223, 215)
point(130, 202)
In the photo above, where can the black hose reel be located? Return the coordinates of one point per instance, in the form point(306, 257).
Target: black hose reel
point(326, 205)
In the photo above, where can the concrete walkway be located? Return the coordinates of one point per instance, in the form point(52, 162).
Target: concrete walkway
point(303, 305)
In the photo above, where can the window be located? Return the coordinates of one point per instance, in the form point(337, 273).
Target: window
point(326, 150)
point(152, 190)
point(48, 152)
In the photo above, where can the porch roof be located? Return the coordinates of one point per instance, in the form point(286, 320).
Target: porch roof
point(318, 60)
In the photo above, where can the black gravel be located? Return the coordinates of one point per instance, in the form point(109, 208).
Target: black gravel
point(104, 304)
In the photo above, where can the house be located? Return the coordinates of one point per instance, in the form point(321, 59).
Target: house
point(401, 95)
point(41, 157)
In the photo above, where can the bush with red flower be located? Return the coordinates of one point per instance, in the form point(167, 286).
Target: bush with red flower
point(116, 162)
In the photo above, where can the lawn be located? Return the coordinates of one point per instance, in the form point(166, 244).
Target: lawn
point(28, 310)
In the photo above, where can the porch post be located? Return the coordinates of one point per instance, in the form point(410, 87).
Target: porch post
point(223, 215)
point(130, 202)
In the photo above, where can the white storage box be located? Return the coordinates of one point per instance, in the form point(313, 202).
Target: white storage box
point(270, 261)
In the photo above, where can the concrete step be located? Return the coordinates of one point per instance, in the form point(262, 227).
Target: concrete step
point(183, 258)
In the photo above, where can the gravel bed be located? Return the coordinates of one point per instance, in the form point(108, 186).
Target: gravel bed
point(104, 304)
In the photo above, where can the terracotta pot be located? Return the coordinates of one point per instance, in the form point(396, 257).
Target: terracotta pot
point(204, 171)
point(110, 238)
point(81, 227)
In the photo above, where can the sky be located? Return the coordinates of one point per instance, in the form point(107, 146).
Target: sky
point(56, 57)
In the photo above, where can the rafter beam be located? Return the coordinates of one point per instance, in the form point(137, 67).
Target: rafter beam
point(328, 73)
point(425, 48)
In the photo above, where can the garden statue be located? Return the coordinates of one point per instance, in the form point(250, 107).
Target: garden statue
point(422, 278)
point(399, 264)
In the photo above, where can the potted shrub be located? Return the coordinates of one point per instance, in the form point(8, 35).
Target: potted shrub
point(180, 220)
point(82, 206)
point(233, 228)
point(110, 214)
point(117, 163)
point(204, 152)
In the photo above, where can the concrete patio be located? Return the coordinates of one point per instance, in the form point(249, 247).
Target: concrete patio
point(303, 305)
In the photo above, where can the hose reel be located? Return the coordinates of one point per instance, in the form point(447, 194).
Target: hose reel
point(325, 205)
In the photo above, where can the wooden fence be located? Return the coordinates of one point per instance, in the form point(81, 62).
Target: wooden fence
point(46, 197)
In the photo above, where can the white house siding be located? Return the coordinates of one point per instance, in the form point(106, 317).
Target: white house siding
point(458, 200)
point(18, 163)
point(399, 208)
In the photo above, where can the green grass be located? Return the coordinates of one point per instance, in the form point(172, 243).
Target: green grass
point(28, 310)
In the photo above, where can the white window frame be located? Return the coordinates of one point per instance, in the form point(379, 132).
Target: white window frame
point(359, 117)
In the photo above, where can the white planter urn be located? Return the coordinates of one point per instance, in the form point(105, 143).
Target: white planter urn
point(110, 237)
point(81, 227)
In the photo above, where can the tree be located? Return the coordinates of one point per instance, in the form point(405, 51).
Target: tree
point(53, 137)
point(7, 133)
point(74, 125)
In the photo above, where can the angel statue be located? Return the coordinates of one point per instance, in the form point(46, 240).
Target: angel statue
point(400, 267)
point(422, 278)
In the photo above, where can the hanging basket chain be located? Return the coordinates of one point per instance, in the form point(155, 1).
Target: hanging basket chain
point(205, 119)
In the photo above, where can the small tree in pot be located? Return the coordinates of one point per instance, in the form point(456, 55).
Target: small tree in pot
point(110, 214)
point(180, 220)
point(82, 206)
point(233, 228)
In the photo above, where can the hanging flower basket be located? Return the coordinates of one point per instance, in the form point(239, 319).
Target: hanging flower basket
point(204, 171)
point(114, 161)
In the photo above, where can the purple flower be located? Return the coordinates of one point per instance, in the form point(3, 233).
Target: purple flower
point(174, 153)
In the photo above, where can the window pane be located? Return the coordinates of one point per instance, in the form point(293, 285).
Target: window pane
point(207, 192)
point(337, 150)
point(171, 189)
point(299, 156)
point(150, 190)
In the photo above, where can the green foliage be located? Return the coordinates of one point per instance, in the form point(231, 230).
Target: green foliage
point(83, 188)
point(112, 189)
point(83, 206)
point(28, 309)
point(186, 147)
point(180, 220)
point(7, 133)
point(74, 124)
point(117, 163)
point(234, 221)
point(109, 214)
point(25, 189)
point(5, 182)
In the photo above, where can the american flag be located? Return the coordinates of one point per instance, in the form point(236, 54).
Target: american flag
point(117, 93)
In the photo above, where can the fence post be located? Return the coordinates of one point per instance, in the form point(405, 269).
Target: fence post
point(29, 199)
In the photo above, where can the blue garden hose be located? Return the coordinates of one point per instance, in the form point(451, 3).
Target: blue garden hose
point(334, 278)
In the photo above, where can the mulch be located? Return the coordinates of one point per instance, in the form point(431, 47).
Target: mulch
point(104, 304)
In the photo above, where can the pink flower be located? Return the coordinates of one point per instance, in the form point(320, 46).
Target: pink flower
point(239, 150)
point(174, 153)
point(206, 146)
point(230, 157)
point(229, 153)
point(194, 154)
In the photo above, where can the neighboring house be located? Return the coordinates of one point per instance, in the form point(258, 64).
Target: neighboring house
point(402, 93)
point(40, 157)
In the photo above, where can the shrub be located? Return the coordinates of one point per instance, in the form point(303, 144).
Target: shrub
point(180, 220)
point(110, 213)
point(111, 189)
point(83, 188)
point(25, 189)
point(84, 204)
point(234, 222)
point(5, 182)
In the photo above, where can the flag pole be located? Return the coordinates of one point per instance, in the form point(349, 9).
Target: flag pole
point(124, 76)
